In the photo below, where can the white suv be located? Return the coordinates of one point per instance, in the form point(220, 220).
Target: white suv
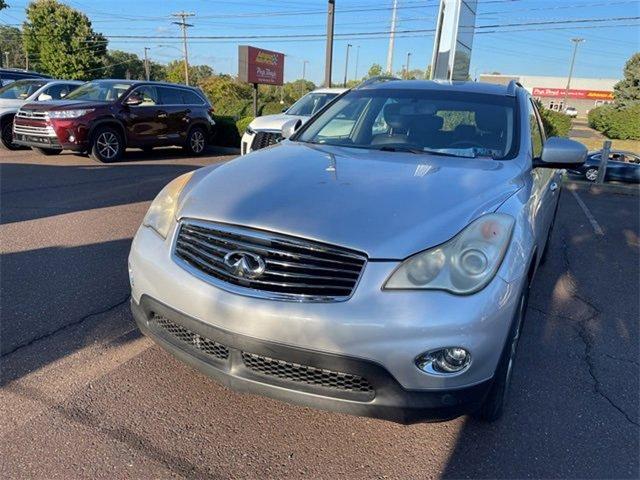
point(265, 131)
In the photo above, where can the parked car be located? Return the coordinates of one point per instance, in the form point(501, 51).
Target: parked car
point(571, 112)
point(384, 272)
point(9, 75)
point(104, 117)
point(622, 167)
point(16, 94)
point(265, 131)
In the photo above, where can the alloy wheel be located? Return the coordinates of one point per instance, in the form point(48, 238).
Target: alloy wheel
point(197, 141)
point(108, 145)
point(591, 174)
point(7, 136)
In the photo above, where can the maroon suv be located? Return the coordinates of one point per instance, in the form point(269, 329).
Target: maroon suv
point(104, 117)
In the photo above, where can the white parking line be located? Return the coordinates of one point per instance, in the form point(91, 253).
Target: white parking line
point(594, 223)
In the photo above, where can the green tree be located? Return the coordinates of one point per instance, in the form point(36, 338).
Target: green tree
point(228, 95)
point(3, 4)
point(627, 91)
point(11, 41)
point(62, 41)
point(197, 73)
point(119, 64)
point(375, 70)
point(157, 71)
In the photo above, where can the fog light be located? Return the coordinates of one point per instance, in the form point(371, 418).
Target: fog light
point(444, 361)
point(72, 138)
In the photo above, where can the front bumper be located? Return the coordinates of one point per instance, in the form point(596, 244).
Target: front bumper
point(301, 376)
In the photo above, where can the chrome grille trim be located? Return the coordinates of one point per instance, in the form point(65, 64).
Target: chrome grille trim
point(296, 269)
point(37, 131)
point(31, 114)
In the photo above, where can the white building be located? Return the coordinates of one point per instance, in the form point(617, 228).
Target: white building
point(583, 94)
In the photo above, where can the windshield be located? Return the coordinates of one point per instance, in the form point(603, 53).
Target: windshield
point(310, 104)
point(448, 123)
point(22, 89)
point(100, 91)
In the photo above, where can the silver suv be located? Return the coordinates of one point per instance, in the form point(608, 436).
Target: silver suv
point(377, 262)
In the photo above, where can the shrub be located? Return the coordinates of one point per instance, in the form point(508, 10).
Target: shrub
point(617, 123)
point(242, 124)
point(271, 108)
point(556, 124)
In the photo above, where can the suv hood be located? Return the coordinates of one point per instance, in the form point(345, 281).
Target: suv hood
point(274, 122)
point(389, 205)
point(62, 105)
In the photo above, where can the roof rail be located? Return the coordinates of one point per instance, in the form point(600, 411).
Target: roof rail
point(511, 88)
point(377, 79)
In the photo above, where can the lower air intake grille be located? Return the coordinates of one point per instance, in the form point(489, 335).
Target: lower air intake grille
point(305, 374)
point(265, 139)
point(185, 335)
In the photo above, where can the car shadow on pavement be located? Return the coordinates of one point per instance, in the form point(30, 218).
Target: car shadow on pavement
point(572, 411)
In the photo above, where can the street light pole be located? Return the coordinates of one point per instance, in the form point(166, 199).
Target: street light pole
point(184, 25)
point(6, 59)
point(329, 48)
point(304, 68)
point(346, 65)
point(408, 60)
point(576, 42)
point(355, 75)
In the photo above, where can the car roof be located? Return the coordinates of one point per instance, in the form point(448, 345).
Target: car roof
point(145, 82)
point(438, 85)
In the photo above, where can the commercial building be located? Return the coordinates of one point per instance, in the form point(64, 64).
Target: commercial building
point(584, 94)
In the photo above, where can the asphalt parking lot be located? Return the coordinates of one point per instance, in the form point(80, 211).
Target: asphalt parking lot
point(84, 395)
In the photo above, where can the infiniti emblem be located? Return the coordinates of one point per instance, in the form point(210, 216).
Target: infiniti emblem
point(244, 264)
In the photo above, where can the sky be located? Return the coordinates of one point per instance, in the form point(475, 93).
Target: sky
point(538, 42)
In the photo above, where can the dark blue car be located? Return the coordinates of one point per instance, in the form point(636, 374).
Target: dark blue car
point(622, 167)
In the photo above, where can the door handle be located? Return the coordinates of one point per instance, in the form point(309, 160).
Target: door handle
point(553, 187)
point(162, 114)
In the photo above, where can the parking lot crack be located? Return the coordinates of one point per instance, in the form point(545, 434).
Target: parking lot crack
point(580, 326)
point(67, 326)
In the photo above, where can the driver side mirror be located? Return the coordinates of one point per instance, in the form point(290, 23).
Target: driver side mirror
point(133, 100)
point(43, 97)
point(558, 152)
point(290, 127)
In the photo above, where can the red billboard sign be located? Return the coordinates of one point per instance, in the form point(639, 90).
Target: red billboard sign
point(256, 65)
point(582, 94)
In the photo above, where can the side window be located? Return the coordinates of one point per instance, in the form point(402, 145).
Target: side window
point(149, 95)
point(191, 98)
point(537, 138)
point(170, 96)
point(342, 124)
point(56, 92)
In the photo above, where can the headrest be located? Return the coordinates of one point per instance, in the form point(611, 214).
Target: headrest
point(426, 123)
point(394, 115)
point(490, 119)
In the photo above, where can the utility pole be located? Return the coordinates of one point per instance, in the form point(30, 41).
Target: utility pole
point(304, 68)
point(408, 60)
point(355, 75)
point(576, 42)
point(328, 61)
point(6, 59)
point(392, 36)
point(346, 65)
point(184, 25)
point(146, 63)
point(26, 60)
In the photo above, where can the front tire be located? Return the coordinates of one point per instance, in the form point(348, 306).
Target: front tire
point(46, 151)
point(493, 406)
point(196, 142)
point(107, 145)
point(6, 136)
point(591, 174)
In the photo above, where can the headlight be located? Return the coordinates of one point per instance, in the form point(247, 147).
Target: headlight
point(69, 113)
point(249, 130)
point(464, 264)
point(161, 213)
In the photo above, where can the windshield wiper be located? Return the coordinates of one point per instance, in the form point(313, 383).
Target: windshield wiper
point(390, 148)
point(447, 154)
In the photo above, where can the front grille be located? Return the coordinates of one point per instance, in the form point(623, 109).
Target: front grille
point(31, 114)
point(295, 269)
point(186, 336)
point(265, 139)
point(35, 131)
point(295, 372)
